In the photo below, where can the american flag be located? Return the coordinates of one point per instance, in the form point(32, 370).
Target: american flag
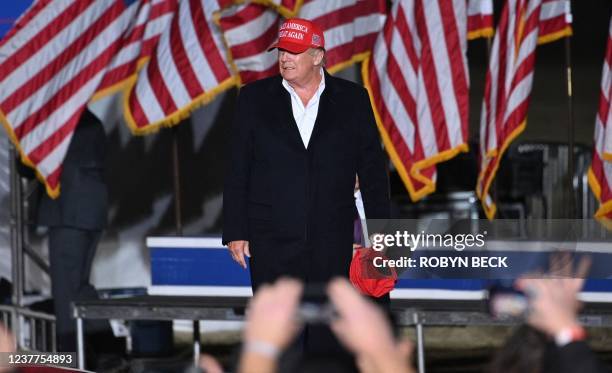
point(555, 20)
point(286, 8)
point(188, 68)
point(507, 89)
point(480, 19)
point(350, 28)
point(600, 173)
point(138, 43)
point(418, 83)
point(51, 63)
point(249, 30)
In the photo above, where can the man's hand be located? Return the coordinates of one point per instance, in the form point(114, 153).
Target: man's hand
point(7, 341)
point(239, 249)
point(209, 364)
point(7, 344)
point(365, 331)
point(553, 298)
point(271, 325)
point(361, 326)
point(271, 314)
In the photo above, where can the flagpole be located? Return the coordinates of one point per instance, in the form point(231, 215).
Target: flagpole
point(570, 123)
point(16, 236)
point(177, 181)
point(179, 227)
point(493, 188)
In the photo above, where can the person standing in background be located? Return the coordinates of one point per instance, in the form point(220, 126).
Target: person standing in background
point(75, 221)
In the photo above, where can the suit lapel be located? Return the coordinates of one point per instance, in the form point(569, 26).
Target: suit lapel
point(326, 114)
point(284, 113)
point(284, 116)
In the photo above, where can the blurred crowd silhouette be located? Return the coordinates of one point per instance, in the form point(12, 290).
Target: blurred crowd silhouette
point(550, 340)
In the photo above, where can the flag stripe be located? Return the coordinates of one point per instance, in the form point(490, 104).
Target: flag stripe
point(349, 27)
point(507, 90)
point(217, 63)
point(479, 18)
point(256, 45)
point(29, 39)
point(145, 93)
point(417, 79)
point(181, 58)
point(37, 121)
point(187, 69)
point(25, 62)
point(137, 112)
point(248, 31)
point(600, 173)
point(260, 65)
point(452, 92)
point(48, 152)
point(140, 42)
point(244, 22)
point(60, 66)
point(428, 76)
point(26, 18)
point(53, 60)
point(403, 113)
point(555, 20)
point(388, 112)
point(399, 45)
point(206, 76)
point(410, 48)
point(313, 9)
point(286, 8)
point(56, 74)
point(255, 73)
point(157, 81)
point(391, 107)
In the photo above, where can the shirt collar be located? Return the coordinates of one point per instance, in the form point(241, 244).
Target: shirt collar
point(289, 88)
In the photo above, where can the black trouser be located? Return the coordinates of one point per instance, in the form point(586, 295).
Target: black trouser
point(71, 253)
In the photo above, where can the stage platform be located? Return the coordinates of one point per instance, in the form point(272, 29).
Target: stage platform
point(201, 266)
point(194, 278)
point(409, 312)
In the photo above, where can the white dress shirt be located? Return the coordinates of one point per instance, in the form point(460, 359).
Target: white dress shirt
point(305, 116)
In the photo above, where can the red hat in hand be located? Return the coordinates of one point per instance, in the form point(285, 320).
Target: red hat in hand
point(368, 279)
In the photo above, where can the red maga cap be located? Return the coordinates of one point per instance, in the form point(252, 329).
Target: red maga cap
point(366, 278)
point(296, 35)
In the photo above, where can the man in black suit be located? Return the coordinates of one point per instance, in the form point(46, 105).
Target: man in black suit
point(298, 141)
point(76, 220)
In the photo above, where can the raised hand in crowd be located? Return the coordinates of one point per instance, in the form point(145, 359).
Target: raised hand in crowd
point(271, 325)
point(208, 364)
point(553, 297)
point(7, 344)
point(364, 330)
point(553, 310)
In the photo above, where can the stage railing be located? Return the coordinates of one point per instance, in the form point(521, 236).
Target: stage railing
point(32, 330)
point(37, 329)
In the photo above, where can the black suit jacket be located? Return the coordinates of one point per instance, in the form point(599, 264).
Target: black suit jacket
point(83, 198)
point(295, 205)
point(571, 358)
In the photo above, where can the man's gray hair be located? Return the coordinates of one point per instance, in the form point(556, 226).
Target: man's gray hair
point(313, 51)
